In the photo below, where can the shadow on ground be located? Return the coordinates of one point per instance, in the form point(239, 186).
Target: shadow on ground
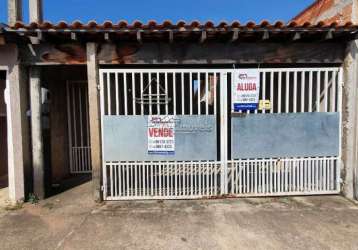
point(71, 220)
point(68, 183)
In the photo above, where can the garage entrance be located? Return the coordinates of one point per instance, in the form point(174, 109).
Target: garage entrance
point(172, 134)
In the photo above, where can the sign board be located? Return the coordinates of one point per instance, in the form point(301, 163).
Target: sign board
point(161, 134)
point(245, 89)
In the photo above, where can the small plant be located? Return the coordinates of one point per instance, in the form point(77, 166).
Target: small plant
point(33, 199)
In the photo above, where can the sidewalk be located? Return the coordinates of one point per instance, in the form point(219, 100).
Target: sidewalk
point(72, 221)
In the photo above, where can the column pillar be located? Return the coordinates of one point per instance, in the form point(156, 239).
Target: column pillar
point(35, 11)
point(14, 11)
point(36, 133)
point(94, 118)
point(350, 124)
point(17, 131)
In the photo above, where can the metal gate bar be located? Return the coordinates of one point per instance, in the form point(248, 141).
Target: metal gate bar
point(125, 92)
point(295, 90)
point(78, 128)
point(162, 180)
point(274, 177)
point(159, 92)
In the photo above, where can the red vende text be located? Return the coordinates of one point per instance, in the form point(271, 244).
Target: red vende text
point(160, 132)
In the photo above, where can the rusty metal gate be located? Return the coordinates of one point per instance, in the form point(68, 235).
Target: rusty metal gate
point(214, 156)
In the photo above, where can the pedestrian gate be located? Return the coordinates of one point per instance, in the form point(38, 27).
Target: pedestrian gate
point(78, 128)
point(291, 147)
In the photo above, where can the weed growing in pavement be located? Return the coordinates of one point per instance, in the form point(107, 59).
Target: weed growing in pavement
point(33, 199)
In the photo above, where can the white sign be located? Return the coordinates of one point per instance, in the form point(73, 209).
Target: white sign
point(161, 134)
point(245, 89)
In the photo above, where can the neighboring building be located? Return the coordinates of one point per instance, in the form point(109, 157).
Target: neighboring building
point(329, 11)
point(149, 108)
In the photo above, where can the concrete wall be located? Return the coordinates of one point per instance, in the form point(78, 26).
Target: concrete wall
point(340, 11)
point(349, 113)
point(7, 57)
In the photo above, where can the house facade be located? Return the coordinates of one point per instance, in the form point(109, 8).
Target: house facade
point(181, 110)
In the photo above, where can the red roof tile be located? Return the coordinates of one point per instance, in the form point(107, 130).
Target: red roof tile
point(167, 24)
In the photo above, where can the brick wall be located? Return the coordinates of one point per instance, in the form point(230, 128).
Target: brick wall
point(340, 11)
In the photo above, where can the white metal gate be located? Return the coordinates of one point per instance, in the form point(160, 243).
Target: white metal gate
point(78, 128)
point(205, 92)
point(293, 90)
point(147, 92)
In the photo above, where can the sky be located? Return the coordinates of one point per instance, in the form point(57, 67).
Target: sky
point(159, 10)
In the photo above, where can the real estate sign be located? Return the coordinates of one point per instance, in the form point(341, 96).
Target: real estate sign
point(161, 134)
point(245, 89)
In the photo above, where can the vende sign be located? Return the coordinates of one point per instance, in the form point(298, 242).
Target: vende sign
point(161, 134)
point(245, 89)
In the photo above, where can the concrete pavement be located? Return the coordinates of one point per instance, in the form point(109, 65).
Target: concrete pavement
point(72, 221)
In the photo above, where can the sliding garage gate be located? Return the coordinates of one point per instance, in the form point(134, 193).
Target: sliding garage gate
point(291, 146)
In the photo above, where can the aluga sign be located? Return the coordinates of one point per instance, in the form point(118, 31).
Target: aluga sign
point(161, 134)
point(245, 89)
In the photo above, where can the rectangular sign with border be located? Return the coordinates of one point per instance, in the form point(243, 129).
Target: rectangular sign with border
point(161, 134)
point(245, 89)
